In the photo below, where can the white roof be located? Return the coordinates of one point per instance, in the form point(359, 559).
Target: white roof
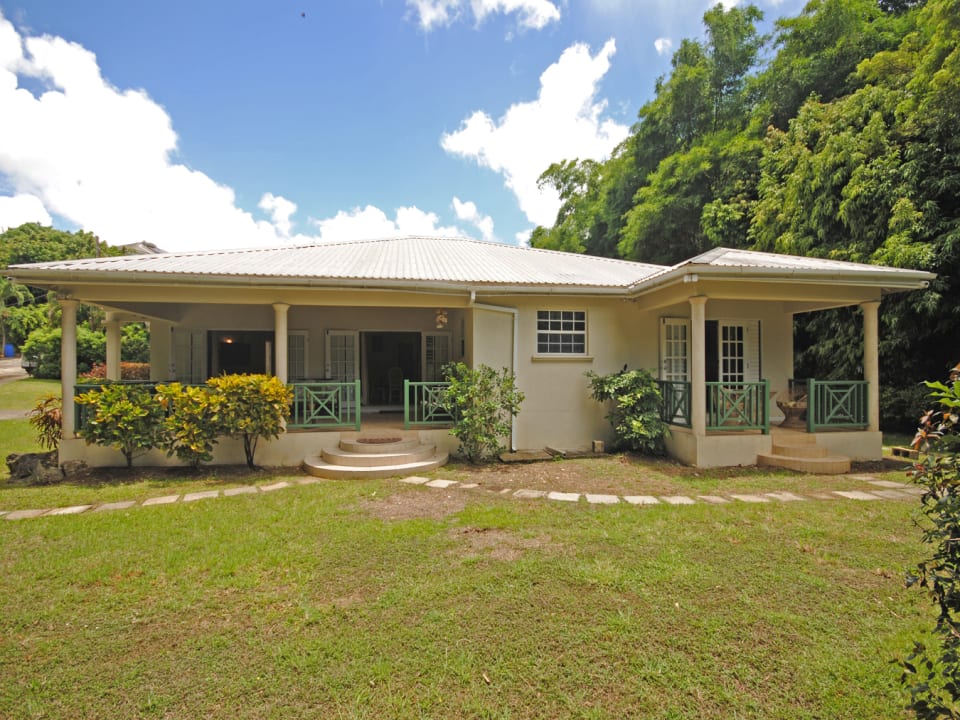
point(425, 262)
point(420, 260)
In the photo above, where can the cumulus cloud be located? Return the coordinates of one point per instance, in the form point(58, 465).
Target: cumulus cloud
point(20, 209)
point(467, 212)
point(372, 222)
point(102, 158)
point(663, 45)
point(565, 121)
point(531, 14)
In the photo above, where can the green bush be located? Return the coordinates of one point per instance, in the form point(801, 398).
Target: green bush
point(932, 674)
point(192, 421)
point(46, 418)
point(43, 344)
point(482, 403)
point(126, 417)
point(252, 407)
point(135, 343)
point(635, 413)
point(901, 406)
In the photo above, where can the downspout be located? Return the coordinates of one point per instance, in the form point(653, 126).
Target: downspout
point(515, 359)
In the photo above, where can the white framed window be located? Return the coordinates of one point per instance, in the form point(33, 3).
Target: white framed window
point(561, 332)
point(296, 355)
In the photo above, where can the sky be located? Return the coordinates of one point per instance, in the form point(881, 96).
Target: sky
point(237, 123)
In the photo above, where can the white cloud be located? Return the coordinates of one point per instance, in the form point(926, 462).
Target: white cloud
point(372, 222)
point(467, 211)
point(101, 157)
point(281, 210)
point(663, 45)
point(564, 122)
point(532, 14)
point(20, 209)
point(523, 238)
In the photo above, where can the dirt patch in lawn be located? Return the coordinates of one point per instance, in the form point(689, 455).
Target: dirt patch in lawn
point(495, 543)
point(415, 504)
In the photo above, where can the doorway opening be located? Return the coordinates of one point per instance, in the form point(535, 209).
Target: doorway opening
point(389, 358)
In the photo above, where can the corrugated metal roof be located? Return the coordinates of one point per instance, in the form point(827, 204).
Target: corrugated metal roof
point(413, 259)
point(726, 257)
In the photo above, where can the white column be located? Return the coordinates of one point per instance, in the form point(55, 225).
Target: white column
point(698, 365)
point(113, 346)
point(871, 361)
point(280, 339)
point(68, 364)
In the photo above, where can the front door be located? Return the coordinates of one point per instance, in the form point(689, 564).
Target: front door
point(343, 356)
point(674, 349)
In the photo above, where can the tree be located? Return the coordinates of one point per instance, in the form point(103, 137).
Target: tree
point(10, 294)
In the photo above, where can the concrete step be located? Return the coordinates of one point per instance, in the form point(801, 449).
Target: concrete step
point(319, 467)
point(376, 443)
point(807, 450)
point(394, 456)
point(828, 465)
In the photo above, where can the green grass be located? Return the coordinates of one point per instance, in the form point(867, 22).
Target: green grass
point(305, 603)
point(23, 394)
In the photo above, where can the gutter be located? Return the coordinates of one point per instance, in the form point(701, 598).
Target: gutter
point(516, 350)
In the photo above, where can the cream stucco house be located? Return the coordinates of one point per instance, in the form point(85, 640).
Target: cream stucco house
point(347, 323)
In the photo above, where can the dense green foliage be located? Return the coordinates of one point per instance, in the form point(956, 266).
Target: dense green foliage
point(635, 408)
point(126, 417)
point(836, 137)
point(251, 407)
point(483, 403)
point(44, 346)
point(932, 674)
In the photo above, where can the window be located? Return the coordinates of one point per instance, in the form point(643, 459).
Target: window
point(561, 332)
point(296, 356)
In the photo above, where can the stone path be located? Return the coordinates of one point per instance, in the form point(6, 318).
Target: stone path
point(885, 490)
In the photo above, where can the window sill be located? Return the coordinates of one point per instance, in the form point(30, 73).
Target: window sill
point(562, 358)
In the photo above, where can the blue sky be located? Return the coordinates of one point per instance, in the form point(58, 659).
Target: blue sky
point(255, 122)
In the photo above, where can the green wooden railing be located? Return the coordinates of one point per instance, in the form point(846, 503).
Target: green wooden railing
point(325, 405)
point(738, 406)
point(836, 404)
point(675, 405)
point(423, 404)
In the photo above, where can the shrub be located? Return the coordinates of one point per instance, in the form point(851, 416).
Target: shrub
point(46, 418)
point(901, 406)
point(128, 371)
point(932, 674)
point(123, 416)
point(192, 421)
point(482, 403)
point(252, 406)
point(44, 345)
point(635, 413)
point(135, 343)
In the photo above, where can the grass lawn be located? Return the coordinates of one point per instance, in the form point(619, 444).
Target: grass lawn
point(373, 599)
point(23, 394)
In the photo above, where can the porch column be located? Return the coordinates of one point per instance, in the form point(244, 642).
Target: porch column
point(280, 340)
point(113, 346)
point(698, 365)
point(871, 362)
point(68, 364)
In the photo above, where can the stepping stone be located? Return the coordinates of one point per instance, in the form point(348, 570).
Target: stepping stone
point(530, 494)
point(887, 483)
point(438, 483)
point(564, 497)
point(913, 490)
point(504, 491)
point(784, 496)
point(74, 510)
point(823, 496)
point(276, 486)
point(677, 500)
point(164, 500)
point(750, 498)
point(23, 514)
point(469, 486)
point(714, 499)
point(203, 495)
point(641, 499)
point(865, 478)
point(602, 499)
point(242, 490)
point(855, 495)
point(122, 505)
point(415, 480)
point(893, 494)
point(2, 513)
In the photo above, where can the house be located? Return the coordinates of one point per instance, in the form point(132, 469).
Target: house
point(346, 322)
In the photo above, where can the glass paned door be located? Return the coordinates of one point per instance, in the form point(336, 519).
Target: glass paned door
point(674, 349)
point(436, 354)
point(343, 356)
point(739, 352)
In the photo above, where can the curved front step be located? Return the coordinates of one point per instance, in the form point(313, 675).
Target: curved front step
point(319, 467)
point(799, 450)
point(364, 458)
point(830, 465)
point(376, 445)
